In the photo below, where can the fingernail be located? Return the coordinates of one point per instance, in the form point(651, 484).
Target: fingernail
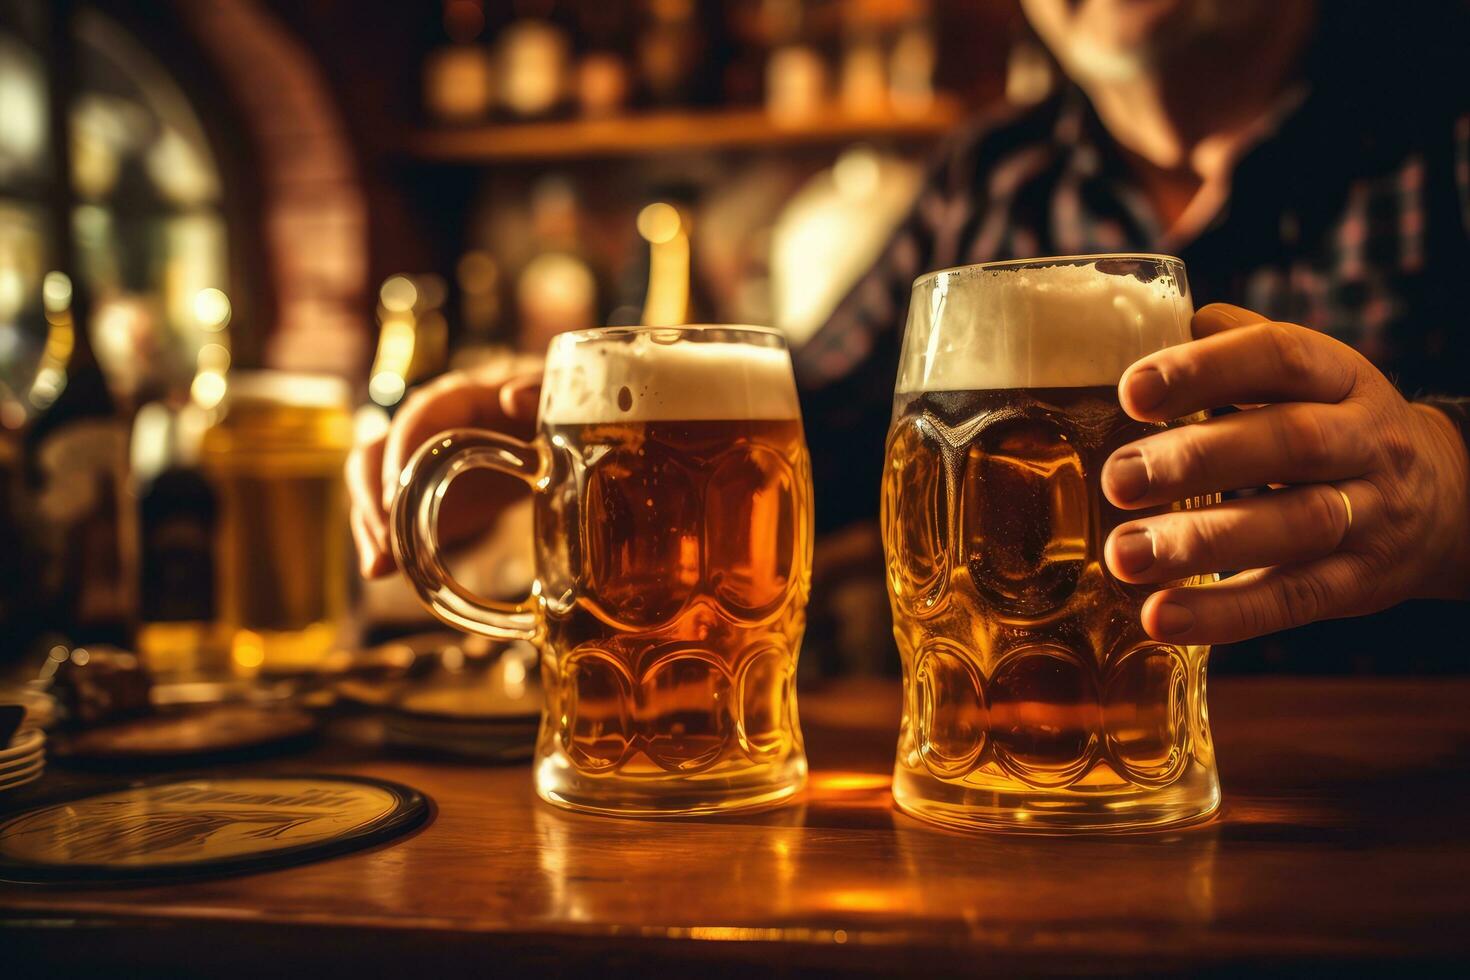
point(1127, 475)
point(1228, 315)
point(1147, 388)
point(1173, 618)
point(1133, 550)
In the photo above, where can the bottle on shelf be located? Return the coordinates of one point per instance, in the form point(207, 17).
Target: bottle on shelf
point(603, 77)
point(557, 289)
point(676, 61)
point(459, 77)
point(660, 287)
point(532, 54)
point(863, 74)
point(797, 77)
point(477, 276)
point(911, 63)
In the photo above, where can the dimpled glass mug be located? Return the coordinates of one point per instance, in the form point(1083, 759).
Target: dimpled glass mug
point(673, 534)
point(1033, 699)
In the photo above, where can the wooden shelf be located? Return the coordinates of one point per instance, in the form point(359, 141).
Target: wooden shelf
point(667, 133)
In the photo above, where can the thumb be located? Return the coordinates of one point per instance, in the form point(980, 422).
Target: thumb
point(520, 397)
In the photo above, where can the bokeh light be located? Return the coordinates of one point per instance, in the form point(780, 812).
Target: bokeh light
point(208, 389)
point(386, 388)
point(23, 107)
point(369, 423)
point(659, 222)
point(214, 358)
point(56, 291)
point(212, 308)
point(398, 294)
point(476, 272)
point(463, 20)
point(248, 650)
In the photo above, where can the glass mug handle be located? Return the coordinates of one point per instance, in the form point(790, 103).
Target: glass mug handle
point(414, 528)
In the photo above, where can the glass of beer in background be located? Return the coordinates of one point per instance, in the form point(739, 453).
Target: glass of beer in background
point(283, 571)
point(1033, 699)
point(673, 523)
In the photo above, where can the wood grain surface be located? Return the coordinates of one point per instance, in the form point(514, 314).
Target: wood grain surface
point(1341, 843)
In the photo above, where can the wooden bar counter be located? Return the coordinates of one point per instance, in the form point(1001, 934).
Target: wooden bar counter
point(1342, 843)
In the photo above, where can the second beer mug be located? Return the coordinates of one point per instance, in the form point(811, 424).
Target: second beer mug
point(673, 532)
point(1033, 699)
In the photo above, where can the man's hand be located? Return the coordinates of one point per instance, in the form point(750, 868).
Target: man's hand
point(1372, 504)
point(482, 399)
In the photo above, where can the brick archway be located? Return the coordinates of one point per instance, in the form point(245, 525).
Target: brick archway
point(314, 218)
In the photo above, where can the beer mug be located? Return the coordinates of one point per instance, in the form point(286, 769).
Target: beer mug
point(1033, 700)
point(283, 569)
point(673, 526)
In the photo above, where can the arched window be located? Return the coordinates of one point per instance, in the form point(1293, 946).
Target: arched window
point(150, 241)
point(135, 220)
point(28, 246)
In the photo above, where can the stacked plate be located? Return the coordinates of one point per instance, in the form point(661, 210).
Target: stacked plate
point(479, 722)
point(23, 760)
point(449, 694)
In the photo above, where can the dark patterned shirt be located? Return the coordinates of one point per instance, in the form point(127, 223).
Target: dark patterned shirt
point(1349, 213)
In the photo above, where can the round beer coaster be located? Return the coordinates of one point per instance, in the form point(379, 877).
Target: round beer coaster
point(204, 827)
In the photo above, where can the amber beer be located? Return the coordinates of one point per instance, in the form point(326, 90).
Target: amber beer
point(673, 551)
point(274, 459)
point(1034, 700)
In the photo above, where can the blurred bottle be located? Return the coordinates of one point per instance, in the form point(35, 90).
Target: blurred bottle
point(177, 516)
point(660, 287)
point(603, 76)
point(558, 289)
point(274, 460)
point(79, 442)
point(459, 78)
point(750, 40)
point(863, 82)
point(666, 230)
point(911, 63)
point(477, 275)
point(797, 77)
point(677, 61)
point(413, 335)
point(888, 57)
point(532, 60)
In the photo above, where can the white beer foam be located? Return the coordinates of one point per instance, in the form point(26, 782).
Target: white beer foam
point(1067, 325)
point(642, 377)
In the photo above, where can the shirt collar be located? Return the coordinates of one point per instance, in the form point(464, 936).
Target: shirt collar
point(1091, 155)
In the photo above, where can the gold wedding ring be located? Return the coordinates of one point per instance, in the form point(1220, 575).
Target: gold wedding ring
point(1347, 503)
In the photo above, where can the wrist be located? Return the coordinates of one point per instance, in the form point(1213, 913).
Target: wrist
point(1450, 576)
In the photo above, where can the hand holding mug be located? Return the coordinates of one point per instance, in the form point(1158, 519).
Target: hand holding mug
point(1370, 502)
